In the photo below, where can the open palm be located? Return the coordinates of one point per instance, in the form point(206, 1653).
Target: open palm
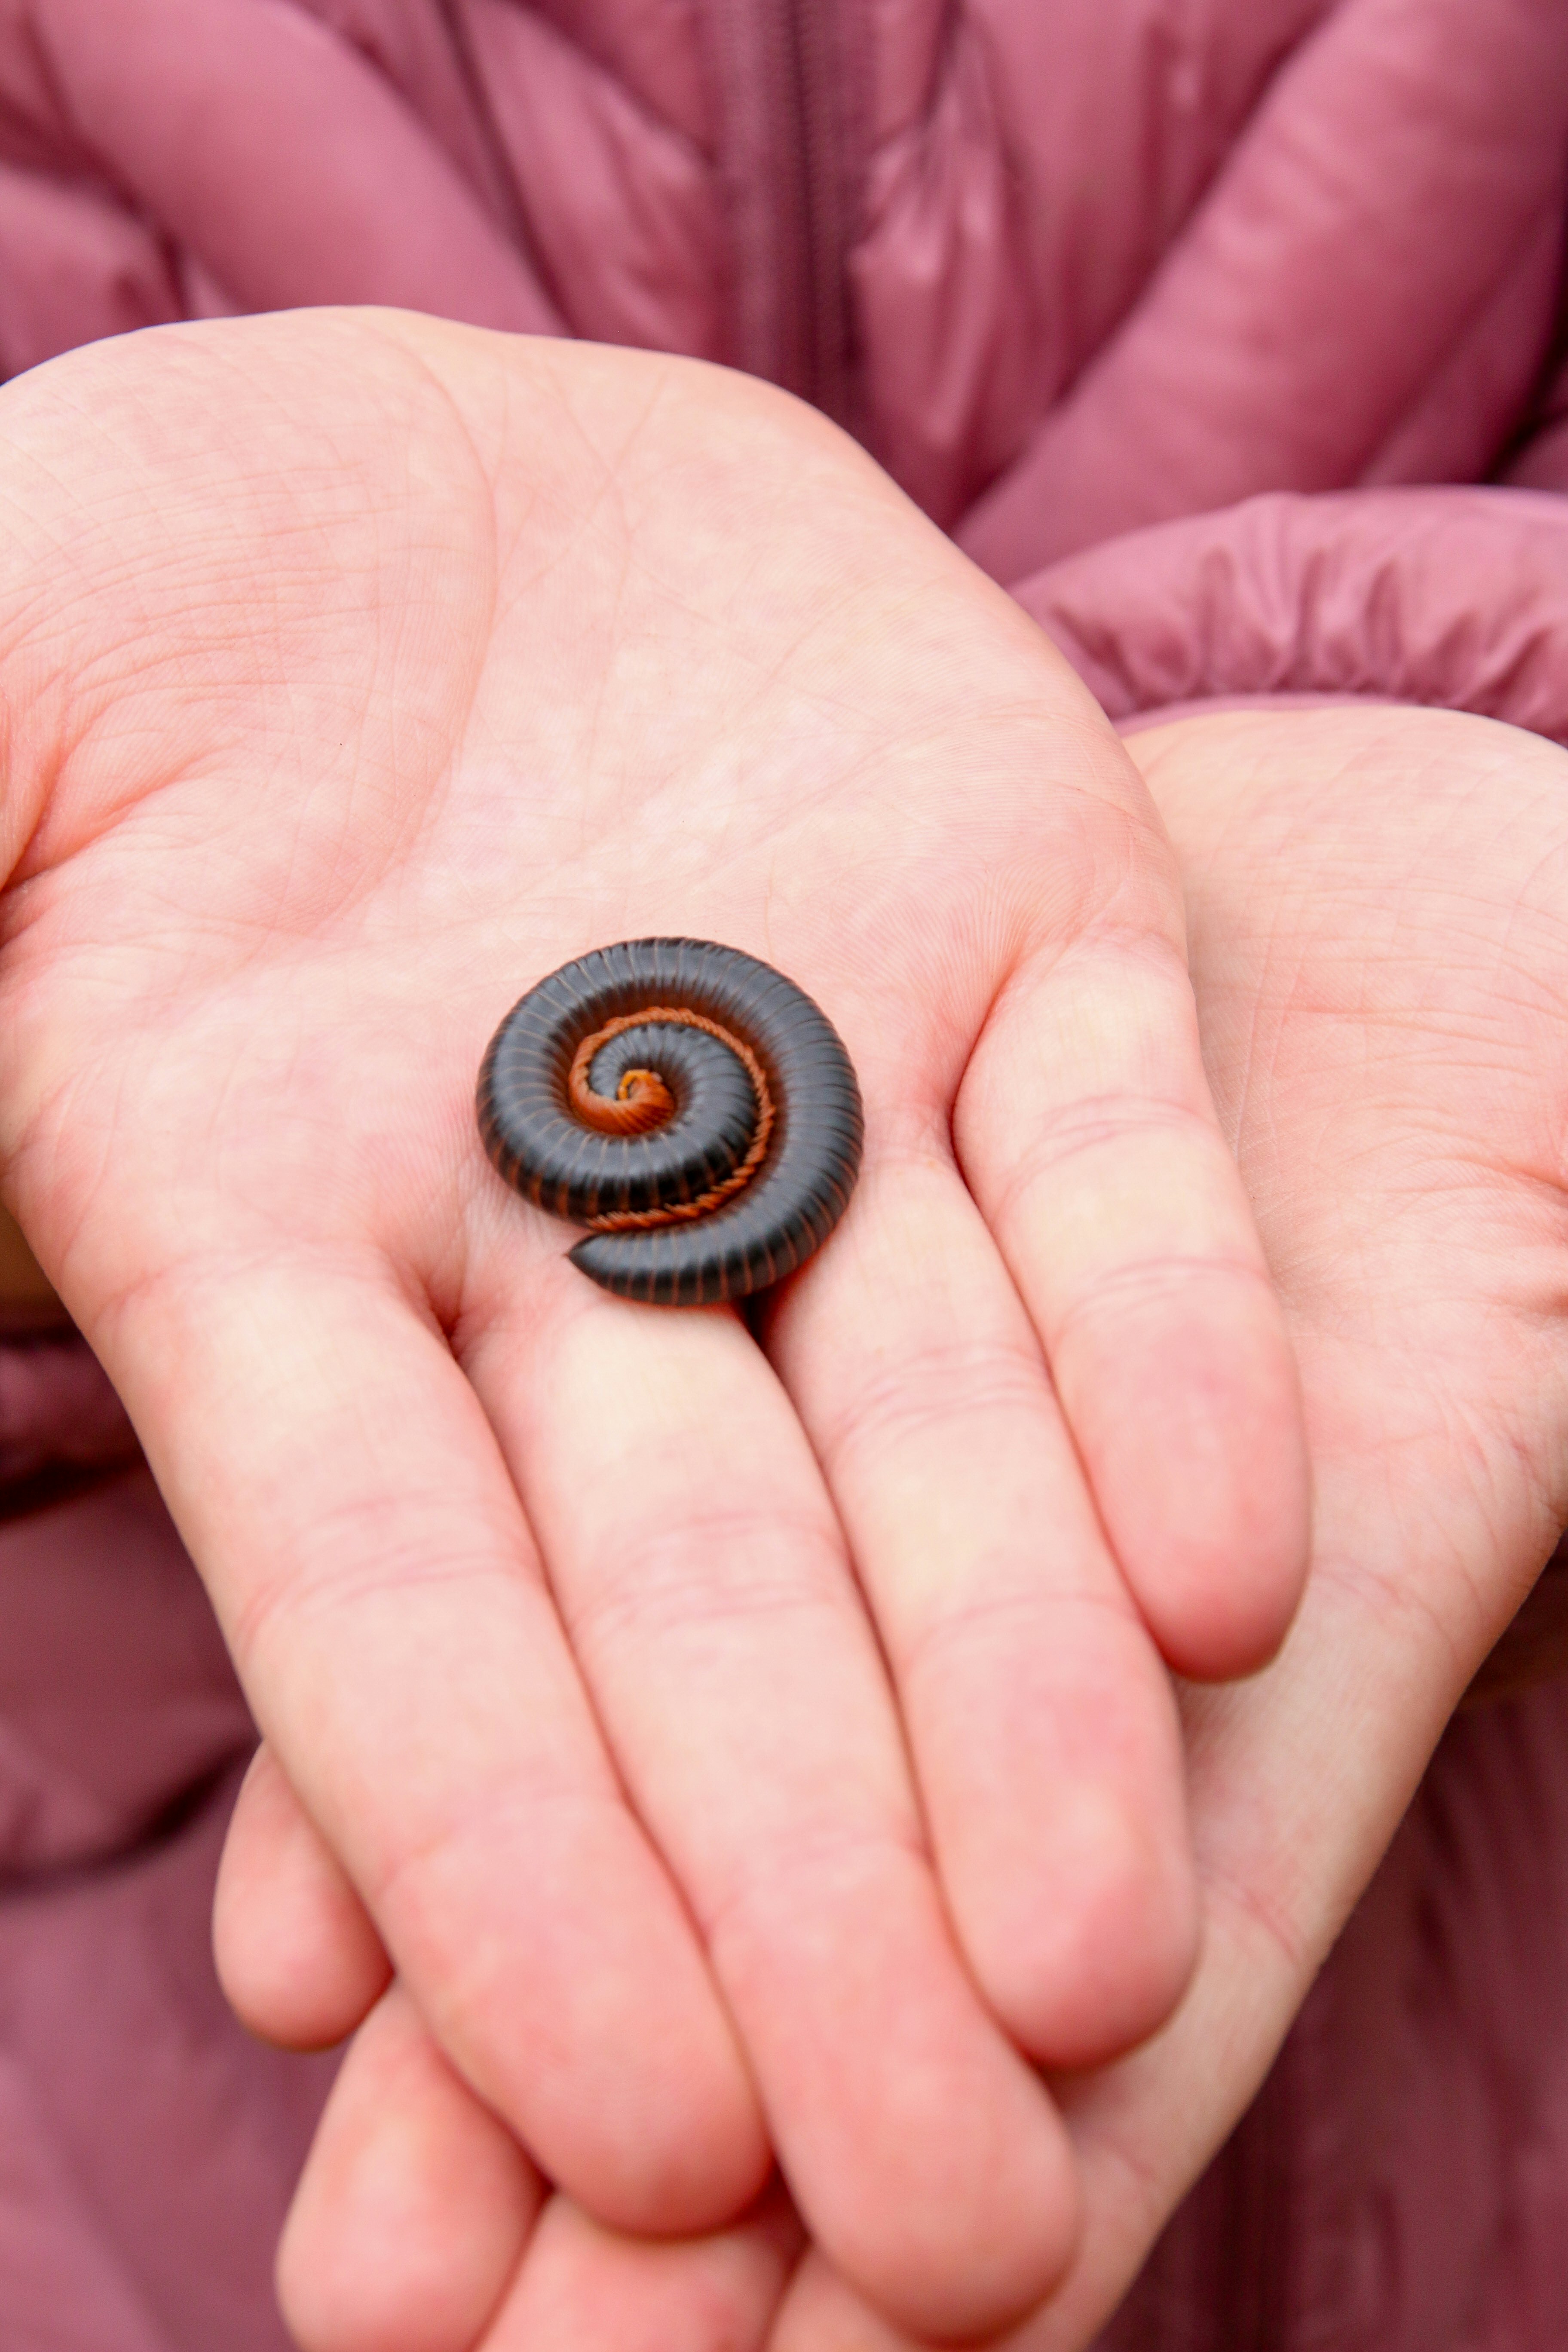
point(360, 670)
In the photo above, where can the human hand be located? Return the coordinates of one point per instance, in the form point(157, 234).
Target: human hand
point(360, 670)
point(1378, 905)
point(1379, 912)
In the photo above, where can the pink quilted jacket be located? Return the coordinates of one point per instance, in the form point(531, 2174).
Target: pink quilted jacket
point(1175, 311)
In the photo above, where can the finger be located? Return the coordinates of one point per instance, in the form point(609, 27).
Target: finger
point(700, 1572)
point(297, 1952)
point(581, 2289)
point(415, 2205)
point(382, 1596)
point(820, 2313)
point(1086, 1132)
point(1040, 1717)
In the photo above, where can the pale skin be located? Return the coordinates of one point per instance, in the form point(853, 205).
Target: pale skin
point(1378, 902)
point(632, 1675)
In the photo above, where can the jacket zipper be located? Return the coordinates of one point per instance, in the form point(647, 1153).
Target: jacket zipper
point(821, 290)
point(781, 85)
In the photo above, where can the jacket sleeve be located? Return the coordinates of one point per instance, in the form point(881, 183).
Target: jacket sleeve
point(1456, 598)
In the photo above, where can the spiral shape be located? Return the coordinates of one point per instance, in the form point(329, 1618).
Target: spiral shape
point(687, 1104)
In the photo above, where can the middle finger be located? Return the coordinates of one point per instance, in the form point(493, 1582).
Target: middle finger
point(1040, 1716)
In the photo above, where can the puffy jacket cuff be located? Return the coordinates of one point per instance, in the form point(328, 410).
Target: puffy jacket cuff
point(1457, 598)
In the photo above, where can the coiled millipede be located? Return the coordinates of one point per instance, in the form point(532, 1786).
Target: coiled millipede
point(689, 1105)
